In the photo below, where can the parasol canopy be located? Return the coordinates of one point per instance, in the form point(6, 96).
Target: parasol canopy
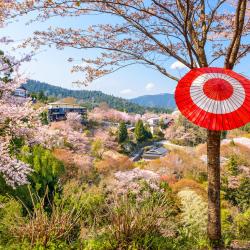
point(214, 98)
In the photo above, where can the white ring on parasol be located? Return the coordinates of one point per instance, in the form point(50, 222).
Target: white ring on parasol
point(229, 105)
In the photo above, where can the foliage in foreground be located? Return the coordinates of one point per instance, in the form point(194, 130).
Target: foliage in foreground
point(125, 208)
point(91, 218)
point(146, 215)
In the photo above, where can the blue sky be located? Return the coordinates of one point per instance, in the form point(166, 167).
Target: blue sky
point(51, 65)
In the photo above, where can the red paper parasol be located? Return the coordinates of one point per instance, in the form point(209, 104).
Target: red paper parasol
point(214, 98)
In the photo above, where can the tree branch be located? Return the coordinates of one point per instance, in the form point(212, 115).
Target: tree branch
point(233, 49)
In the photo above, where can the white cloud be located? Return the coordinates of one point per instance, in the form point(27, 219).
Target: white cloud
point(177, 65)
point(126, 91)
point(149, 86)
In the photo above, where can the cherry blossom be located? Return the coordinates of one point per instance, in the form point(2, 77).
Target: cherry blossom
point(14, 171)
point(17, 119)
point(74, 120)
point(128, 180)
point(148, 34)
point(61, 134)
point(104, 113)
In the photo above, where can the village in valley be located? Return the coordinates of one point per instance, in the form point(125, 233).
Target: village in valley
point(153, 124)
point(156, 157)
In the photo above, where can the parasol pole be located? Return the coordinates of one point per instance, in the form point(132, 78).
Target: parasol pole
point(213, 176)
point(214, 187)
point(213, 171)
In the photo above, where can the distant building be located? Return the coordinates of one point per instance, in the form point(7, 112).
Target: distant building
point(21, 92)
point(154, 153)
point(57, 111)
point(109, 124)
point(154, 123)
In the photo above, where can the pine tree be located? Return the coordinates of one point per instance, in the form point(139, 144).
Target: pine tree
point(42, 97)
point(233, 165)
point(44, 118)
point(141, 134)
point(122, 132)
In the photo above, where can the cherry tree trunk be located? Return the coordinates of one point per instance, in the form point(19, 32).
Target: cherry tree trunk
point(213, 169)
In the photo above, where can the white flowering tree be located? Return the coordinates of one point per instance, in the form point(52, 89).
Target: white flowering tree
point(74, 120)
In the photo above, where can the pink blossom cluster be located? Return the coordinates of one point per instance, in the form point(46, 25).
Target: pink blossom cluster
point(17, 119)
point(235, 181)
point(109, 141)
point(130, 180)
point(61, 134)
point(74, 120)
point(14, 171)
point(47, 137)
point(105, 113)
point(108, 114)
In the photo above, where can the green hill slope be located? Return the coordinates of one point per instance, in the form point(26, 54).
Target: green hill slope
point(89, 98)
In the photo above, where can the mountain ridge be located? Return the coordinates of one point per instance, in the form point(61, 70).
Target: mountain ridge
point(163, 100)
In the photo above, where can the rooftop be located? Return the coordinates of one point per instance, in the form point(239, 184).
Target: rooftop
point(155, 152)
point(22, 87)
point(64, 105)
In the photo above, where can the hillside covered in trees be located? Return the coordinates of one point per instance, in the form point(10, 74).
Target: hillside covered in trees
point(89, 98)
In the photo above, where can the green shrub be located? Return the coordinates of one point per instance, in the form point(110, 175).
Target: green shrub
point(44, 118)
point(239, 196)
point(193, 217)
point(127, 147)
point(97, 149)
point(16, 143)
point(235, 227)
point(228, 232)
point(39, 229)
point(135, 217)
point(68, 144)
point(242, 225)
point(100, 242)
point(202, 177)
point(89, 200)
point(242, 196)
point(24, 245)
point(46, 174)
point(10, 216)
point(246, 128)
